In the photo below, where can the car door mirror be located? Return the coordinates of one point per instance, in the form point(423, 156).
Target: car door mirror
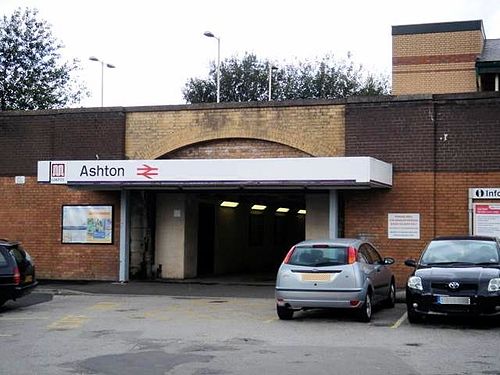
point(410, 263)
point(388, 261)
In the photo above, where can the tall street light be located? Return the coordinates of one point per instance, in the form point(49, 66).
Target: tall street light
point(211, 35)
point(271, 68)
point(111, 66)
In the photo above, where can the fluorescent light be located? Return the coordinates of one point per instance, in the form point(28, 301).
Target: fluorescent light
point(258, 207)
point(283, 209)
point(301, 212)
point(229, 204)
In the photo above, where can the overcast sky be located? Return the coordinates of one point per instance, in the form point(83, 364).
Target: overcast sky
point(157, 45)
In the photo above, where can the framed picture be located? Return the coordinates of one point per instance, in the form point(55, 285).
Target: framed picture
point(87, 224)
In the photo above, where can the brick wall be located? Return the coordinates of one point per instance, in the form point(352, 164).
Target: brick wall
point(366, 213)
point(439, 62)
point(468, 133)
point(314, 129)
point(397, 132)
point(31, 213)
point(30, 136)
point(404, 134)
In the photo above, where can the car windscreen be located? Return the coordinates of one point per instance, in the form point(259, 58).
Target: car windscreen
point(318, 257)
point(461, 251)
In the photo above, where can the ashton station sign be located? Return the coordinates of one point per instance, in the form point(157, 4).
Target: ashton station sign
point(341, 171)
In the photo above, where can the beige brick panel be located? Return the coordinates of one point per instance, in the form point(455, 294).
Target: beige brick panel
point(460, 42)
point(434, 82)
point(315, 130)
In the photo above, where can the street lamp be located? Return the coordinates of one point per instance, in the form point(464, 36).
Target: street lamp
point(271, 68)
point(111, 66)
point(211, 35)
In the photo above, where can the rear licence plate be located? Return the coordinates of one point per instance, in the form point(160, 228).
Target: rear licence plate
point(316, 276)
point(446, 300)
point(28, 279)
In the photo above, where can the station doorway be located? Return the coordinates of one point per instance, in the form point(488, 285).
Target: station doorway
point(224, 233)
point(247, 233)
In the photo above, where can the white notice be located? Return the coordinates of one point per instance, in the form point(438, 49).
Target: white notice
point(487, 219)
point(403, 226)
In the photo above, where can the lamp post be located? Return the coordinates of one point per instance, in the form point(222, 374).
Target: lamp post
point(211, 35)
point(111, 66)
point(271, 68)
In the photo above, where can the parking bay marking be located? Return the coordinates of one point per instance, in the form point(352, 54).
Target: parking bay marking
point(104, 306)
point(68, 322)
point(400, 321)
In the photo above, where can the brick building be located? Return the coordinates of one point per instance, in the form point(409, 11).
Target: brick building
point(118, 193)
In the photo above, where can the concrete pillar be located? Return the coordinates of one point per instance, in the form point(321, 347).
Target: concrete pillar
point(322, 218)
point(318, 216)
point(176, 235)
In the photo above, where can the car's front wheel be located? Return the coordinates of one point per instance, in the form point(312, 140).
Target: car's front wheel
point(365, 311)
point(284, 313)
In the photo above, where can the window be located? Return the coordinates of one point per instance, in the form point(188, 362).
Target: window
point(364, 254)
point(3, 260)
point(319, 257)
point(374, 254)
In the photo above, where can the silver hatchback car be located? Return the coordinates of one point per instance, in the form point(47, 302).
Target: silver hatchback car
point(339, 273)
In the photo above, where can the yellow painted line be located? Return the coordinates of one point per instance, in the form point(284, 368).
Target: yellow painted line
point(68, 322)
point(271, 320)
point(400, 321)
point(104, 306)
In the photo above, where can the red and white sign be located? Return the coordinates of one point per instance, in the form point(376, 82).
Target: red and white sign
point(334, 171)
point(486, 219)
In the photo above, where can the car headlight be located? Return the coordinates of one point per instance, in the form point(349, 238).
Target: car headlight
point(494, 285)
point(415, 282)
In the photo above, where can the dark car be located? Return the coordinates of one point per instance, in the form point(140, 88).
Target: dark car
point(17, 272)
point(455, 276)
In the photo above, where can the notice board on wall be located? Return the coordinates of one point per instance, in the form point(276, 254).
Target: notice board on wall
point(87, 224)
point(486, 219)
point(403, 226)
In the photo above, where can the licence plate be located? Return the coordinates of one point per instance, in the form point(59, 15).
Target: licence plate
point(316, 276)
point(28, 279)
point(446, 300)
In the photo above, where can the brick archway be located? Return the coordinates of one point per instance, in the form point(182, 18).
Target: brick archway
point(314, 130)
point(235, 148)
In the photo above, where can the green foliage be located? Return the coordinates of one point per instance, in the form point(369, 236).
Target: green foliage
point(247, 79)
point(32, 75)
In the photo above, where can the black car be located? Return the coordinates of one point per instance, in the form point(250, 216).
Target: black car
point(17, 272)
point(455, 276)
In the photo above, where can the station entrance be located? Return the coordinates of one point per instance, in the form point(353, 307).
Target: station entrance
point(215, 233)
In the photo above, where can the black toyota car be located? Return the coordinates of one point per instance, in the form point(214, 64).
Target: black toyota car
point(17, 272)
point(455, 276)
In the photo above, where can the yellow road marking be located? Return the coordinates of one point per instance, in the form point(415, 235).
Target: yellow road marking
point(104, 306)
point(68, 322)
point(400, 321)
point(271, 320)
